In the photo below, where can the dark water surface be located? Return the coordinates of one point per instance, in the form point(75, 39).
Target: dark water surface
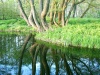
point(57, 61)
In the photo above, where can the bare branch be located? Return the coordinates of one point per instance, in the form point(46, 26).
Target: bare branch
point(79, 2)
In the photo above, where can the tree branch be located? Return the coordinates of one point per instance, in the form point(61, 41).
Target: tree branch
point(79, 2)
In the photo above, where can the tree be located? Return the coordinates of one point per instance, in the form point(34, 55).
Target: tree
point(89, 6)
point(76, 3)
point(55, 8)
point(8, 9)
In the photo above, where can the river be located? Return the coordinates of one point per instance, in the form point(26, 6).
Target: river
point(54, 61)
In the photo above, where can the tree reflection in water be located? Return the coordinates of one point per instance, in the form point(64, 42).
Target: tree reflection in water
point(40, 59)
point(67, 64)
point(63, 63)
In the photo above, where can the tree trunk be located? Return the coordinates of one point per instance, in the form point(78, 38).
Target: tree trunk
point(63, 12)
point(23, 12)
point(74, 11)
point(31, 20)
point(34, 14)
point(52, 13)
point(87, 9)
point(63, 18)
point(41, 6)
point(84, 13)
point(44, 13)
point(57, 14)
point(59, 17)
point(51, 17)
point(60, 12)
point(70, 11)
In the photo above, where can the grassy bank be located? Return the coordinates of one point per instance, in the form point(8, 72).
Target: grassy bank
point(14, 25)
point(79, 32)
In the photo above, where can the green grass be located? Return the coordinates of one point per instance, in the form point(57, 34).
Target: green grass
point(83, 21)
point(17, 25)
point(80, 33)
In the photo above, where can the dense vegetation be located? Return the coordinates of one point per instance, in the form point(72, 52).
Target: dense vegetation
point(79, 32)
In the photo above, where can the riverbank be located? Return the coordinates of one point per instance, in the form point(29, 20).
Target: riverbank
point(79, 32)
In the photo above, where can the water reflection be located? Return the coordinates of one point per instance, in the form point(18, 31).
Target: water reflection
point(40, 59)
point(10, 46)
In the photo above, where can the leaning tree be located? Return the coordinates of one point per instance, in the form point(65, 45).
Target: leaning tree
point(52, 9)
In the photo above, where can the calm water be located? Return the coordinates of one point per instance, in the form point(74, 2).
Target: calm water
point(57, 61)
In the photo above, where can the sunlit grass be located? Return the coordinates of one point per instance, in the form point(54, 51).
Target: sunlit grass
point(80, 34)
point(15, 25)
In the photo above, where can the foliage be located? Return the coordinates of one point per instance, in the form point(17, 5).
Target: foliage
point(76, 33)
point(8, 10)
